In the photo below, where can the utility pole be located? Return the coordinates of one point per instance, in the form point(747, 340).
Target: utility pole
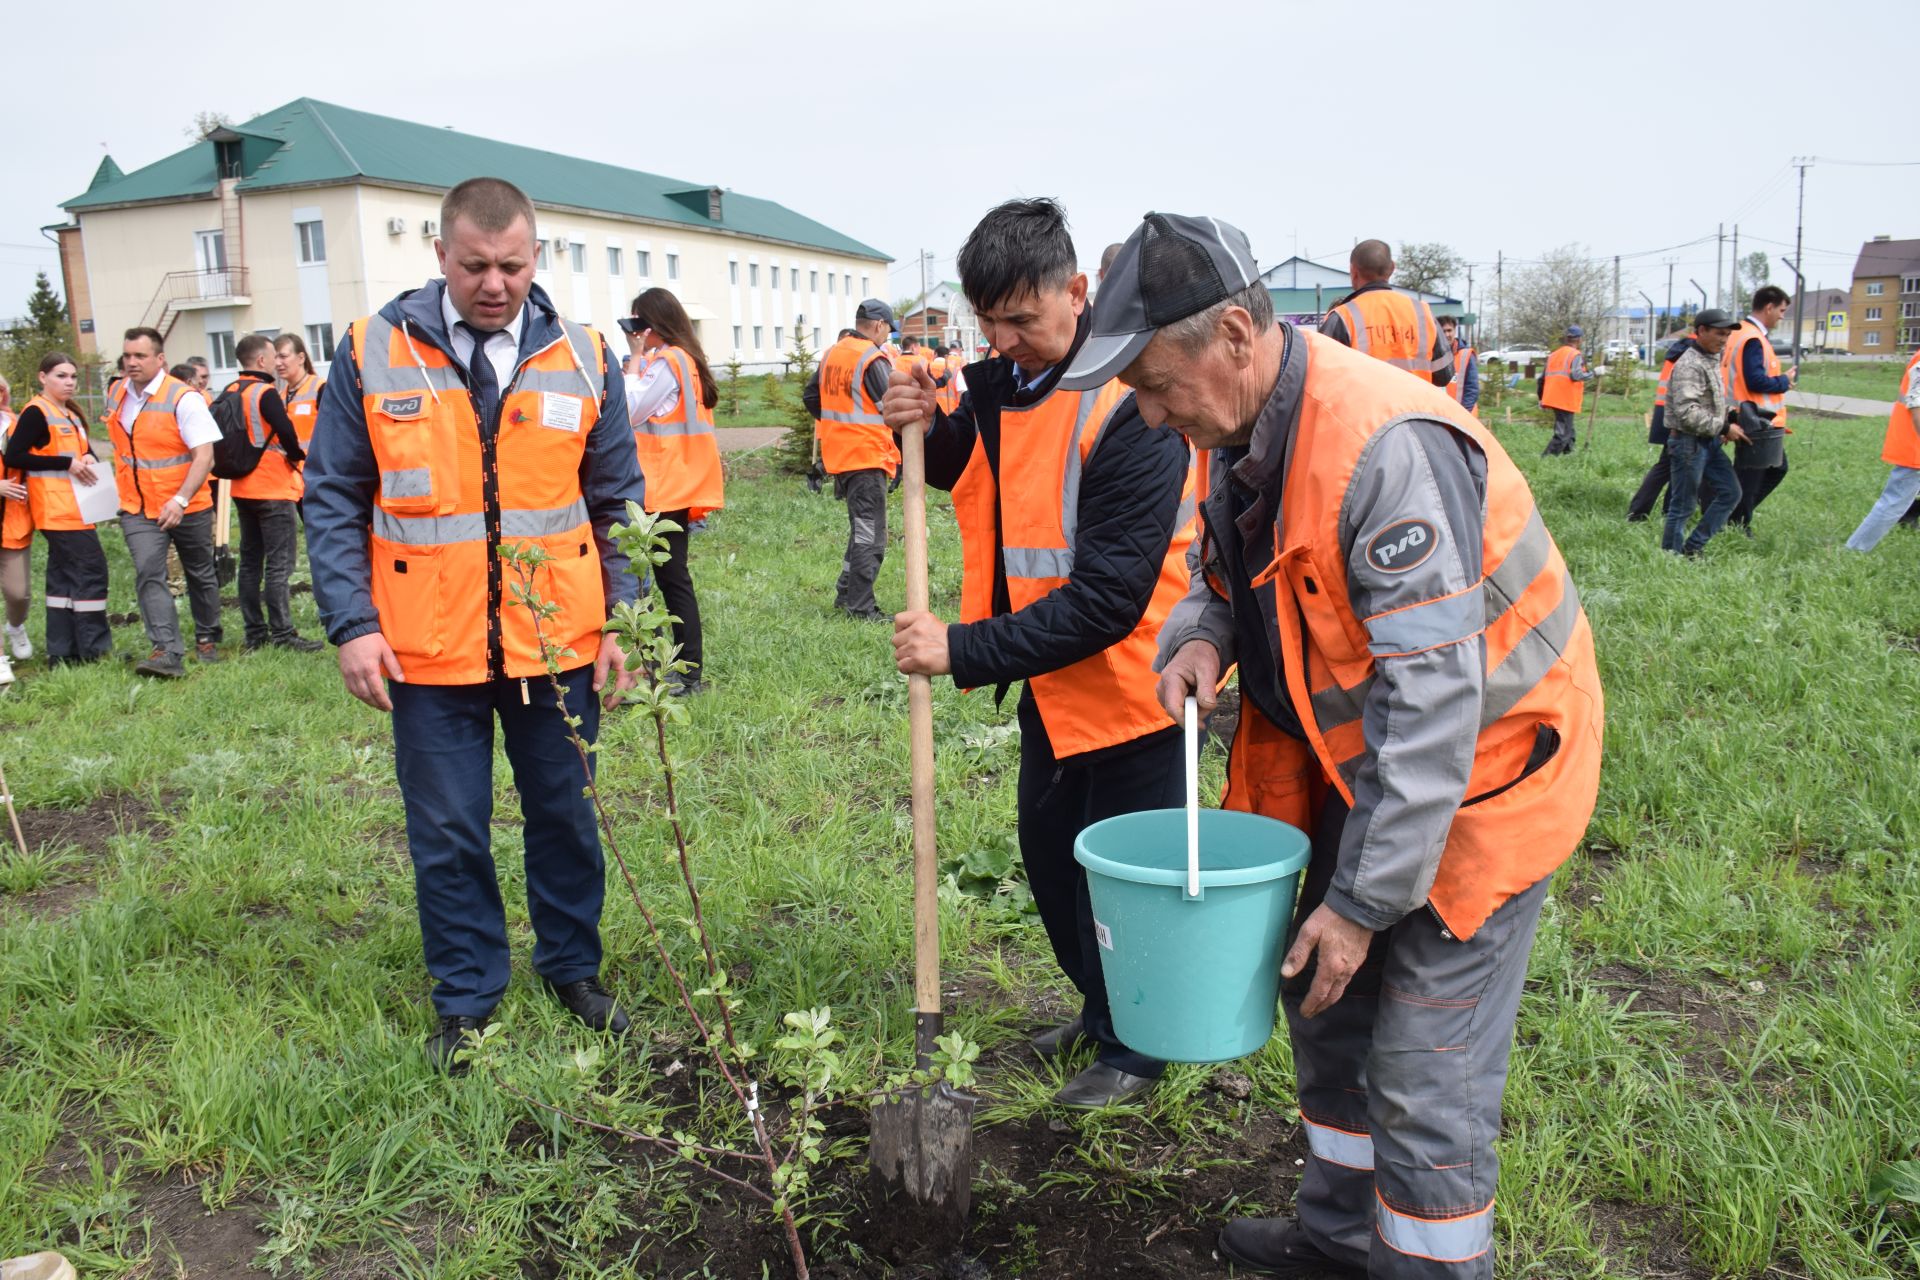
point(1617, 317)
point(1668, 318)
point(924, 255)
point(1719, 254)
point(1475, 335)
point(1735, 273)
point(1652, 337)
point(1500, 293)
point(1800, 280)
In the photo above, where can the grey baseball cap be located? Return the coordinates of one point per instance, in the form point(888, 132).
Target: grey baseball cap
point(1171, 267)
point(1715, 318)
point(874, 309)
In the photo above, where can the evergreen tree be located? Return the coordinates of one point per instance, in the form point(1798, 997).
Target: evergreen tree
point(46, 315)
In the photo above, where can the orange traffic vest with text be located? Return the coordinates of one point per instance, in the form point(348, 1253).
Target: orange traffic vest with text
point(1392, 327)
point(274, 478)
point(1536, 767)
point(303, 406)
point(1560, 390)
point(50, 496)
point(443, 592)
point(853, 434)
point(151, 461)
point(679, 454)
point(1457, 387)
point(1107, 698)
point(1902, 447)
point(1733, 371)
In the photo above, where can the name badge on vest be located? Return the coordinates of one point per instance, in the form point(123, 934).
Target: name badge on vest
point(403, 408)
point(559, 411)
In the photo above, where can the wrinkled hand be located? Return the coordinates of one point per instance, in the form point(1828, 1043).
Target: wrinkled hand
point(1342, 945)
point(366, 663)
point(909, 401)
point(13, 491)
point(611, 657)
point(1195, 671)
point(920, 644)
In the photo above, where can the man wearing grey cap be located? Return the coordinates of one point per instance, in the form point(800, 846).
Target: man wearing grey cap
point(1074, 525)
point(856, 448)
point(1418, 691)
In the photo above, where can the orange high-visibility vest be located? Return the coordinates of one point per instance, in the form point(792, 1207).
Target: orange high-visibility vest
point(50, 497)
point(1560, 391)
point(303, 406)
point(1392, 327)
point(1733, 371)
point(1457, 386)
point(853, 434)
point(1660, 391)
point(442, 591)
point(1902, 447)
point(1107, 698)
point(151, 461)
point(1520, 818)
point(275, 478)
point(16, 515)
point(949, 395)
point(679, 454)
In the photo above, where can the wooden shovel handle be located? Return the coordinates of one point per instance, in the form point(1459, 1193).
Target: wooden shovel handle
point(926, 867)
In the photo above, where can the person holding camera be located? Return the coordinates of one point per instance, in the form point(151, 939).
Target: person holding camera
point(670, 399)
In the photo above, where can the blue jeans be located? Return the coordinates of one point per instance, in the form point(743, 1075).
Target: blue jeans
point(443, 754)
point(1902, 486)
point(1696, 461)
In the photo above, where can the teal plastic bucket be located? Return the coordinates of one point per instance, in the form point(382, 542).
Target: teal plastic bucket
point(1192, 979)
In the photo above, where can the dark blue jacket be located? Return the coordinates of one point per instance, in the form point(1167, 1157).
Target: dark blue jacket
point(342, 475)
point(1753, 363)
point(1470, 381)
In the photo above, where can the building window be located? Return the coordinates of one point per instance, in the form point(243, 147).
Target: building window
point(816, 339)
point(866, 286)
point(779, 340)
point(849, 280)
point(220, 345)
point(313, 241)
point(753, 275)
point(540, 259)
point(773, 279)
point(1873, 338)
point(829, 282)
point(1875, 288)
point(733, 273)
point(613, 259)
point(1873, 313)
point(577, 254)
point(643, 263)
point(1910, 284)
point(1909, 310)
point(320, 342)
point(736, 337)
point(758, 331)
point(673, 266)
point(813, 281)
point(793, 279)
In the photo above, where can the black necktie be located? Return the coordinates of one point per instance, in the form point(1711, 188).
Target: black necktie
point(481, 379)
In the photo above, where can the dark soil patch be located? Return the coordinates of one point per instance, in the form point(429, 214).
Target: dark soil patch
point(190, 1241)
point(1713, 1018)
point(1643, 1240)
point(89, 830)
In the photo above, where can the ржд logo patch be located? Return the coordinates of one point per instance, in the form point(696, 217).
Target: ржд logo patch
point(1402, 545)
point(403, 407)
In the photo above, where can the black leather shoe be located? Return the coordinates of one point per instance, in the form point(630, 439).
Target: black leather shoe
point(1101, 1085)
point(1278, 1247)
point(448, 1039)
point(1060, 1039)
point(590, 1002)
point(299, 644)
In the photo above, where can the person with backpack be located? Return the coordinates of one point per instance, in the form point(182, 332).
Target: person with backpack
point(265, 495)
point(163, 440)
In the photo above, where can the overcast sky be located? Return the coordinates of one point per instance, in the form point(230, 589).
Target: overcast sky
point(1627, 128)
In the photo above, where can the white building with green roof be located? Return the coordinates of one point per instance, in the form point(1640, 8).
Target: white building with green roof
point(310, 215)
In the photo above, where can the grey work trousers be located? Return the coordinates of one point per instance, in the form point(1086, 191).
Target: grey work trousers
point(1400, 1085)
point(269, 543)
point(1562, 441)
point(147, 544)
point(865, 493)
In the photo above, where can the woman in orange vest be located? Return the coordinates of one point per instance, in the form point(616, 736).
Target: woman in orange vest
point(299, 384)
point(16, 547)
point(1902, 452)
point(670, 404)
point(50, 447)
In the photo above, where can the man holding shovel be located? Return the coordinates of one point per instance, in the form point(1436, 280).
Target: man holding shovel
point(1418, 692)
point(1075, 522)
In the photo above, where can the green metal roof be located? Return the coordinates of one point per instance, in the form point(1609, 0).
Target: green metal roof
point(323, 145)
point(107, 172)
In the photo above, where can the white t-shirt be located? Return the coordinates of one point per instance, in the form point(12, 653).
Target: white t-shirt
point(196, 423)
point(652, 393)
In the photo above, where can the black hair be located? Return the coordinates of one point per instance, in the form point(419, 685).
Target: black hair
point(1020, 246)
point(184, 372)
point(1768, 294)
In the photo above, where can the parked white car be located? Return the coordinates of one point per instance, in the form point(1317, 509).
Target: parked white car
point(1514, 355)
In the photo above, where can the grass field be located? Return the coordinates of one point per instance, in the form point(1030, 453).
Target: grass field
point(1862, 379)
point(211, 994)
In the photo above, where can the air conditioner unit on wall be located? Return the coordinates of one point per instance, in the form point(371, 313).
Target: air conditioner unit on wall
point(429, 228)
point(396, 226)
point(560, 244)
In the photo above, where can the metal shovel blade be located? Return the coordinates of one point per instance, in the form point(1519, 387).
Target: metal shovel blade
point(922, 1148)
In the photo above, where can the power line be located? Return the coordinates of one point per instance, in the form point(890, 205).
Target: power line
point(1869, 164)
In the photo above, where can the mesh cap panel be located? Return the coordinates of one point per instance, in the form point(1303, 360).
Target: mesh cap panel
point(1177, 275)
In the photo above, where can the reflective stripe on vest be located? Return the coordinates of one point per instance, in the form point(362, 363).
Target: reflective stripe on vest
point(690, 415)
point(1460, 1238)
point(1057, 562)
point(678, 451)
point(1733, 371)
point(51, 500)
point(1343, 1147)
point(853, 432)
point(1902, 445)
point(1399, 316)
point(148, 480)
point(1457, 386)
point(1560, 390)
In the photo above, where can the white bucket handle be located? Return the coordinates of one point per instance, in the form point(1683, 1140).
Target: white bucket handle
point(1193, 796)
